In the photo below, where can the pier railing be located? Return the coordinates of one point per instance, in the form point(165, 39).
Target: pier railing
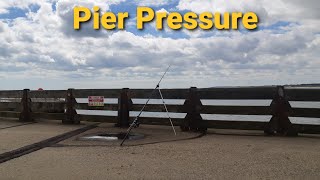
point(62, 105)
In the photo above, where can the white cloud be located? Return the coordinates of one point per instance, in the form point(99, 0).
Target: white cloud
point(152, 2)
point(22, 4)
point(41, 45)
point(268, 11)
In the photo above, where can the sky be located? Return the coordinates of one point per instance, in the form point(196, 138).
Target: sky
point(40, 48)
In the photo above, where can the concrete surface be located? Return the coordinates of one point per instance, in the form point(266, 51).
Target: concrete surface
point(153, 134)
point(19, 136)
point(210, 157)
point(9, 123)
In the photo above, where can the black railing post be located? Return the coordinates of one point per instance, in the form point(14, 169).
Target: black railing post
point(71, 116)
point(280, 122)
point(193, 120)
point(124, 107)
point(26, 113)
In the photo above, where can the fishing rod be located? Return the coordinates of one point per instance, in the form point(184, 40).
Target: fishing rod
point(135, 123)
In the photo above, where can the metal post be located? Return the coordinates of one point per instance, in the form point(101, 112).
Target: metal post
point(124, 107)
point(26, 113)
point(193, 120)
point(165, 107)
point(71, 116)
point(280, 122)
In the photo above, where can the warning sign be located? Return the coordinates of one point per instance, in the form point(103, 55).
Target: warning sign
point(96, 101)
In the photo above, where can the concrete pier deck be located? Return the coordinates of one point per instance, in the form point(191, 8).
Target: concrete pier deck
point(15, 134)
point(218, 155)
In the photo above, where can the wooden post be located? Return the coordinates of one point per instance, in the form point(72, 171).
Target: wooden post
point(124, 107)
point(26, 113)
point(280, 122)
point(71, 116)
point(193, 120)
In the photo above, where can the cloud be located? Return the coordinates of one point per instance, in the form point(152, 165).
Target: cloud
point(21, 4)
point(65, 14)
point(152, 2)
point(268, 11)
point(2, 26)
point(44, 46)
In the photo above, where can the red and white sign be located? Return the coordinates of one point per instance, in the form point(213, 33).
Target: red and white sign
point(96, 101)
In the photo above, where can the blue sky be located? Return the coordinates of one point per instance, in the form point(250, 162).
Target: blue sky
point(39, 48)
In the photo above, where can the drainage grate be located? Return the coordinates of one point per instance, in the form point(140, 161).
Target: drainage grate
point(111, 137)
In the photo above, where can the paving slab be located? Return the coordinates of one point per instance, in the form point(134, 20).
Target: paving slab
point(214, 156)
point(19, 136)
point(9, 123)
point(152, 135)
